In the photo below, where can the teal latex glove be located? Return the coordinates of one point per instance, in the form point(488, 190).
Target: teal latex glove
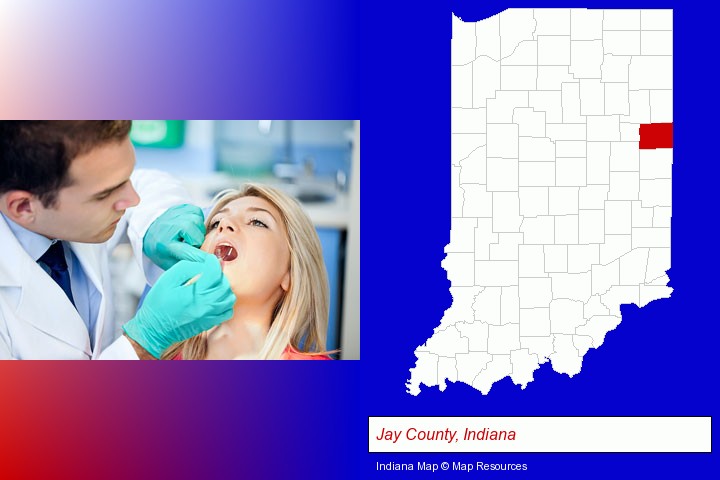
point(173, 312)
point(175, 235)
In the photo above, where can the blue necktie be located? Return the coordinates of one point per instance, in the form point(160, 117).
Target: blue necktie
point(54, 258)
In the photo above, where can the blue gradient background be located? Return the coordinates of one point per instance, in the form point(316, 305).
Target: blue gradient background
point(387, 64)
point(178, 59)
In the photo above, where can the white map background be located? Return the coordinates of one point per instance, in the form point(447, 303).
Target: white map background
point(558, 217)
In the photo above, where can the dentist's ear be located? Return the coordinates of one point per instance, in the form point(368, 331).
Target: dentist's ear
point(19, 206)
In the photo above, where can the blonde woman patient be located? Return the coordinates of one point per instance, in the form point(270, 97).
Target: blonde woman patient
point(271, 256)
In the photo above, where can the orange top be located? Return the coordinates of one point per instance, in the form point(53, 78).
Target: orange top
point(289, 354)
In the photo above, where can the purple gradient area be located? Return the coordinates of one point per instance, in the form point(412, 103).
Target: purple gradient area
point(179, 59)
point(122, 420)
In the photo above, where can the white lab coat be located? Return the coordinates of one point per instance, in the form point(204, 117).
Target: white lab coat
point(37, 320)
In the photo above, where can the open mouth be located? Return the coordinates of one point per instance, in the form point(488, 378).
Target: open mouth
point(225, 252)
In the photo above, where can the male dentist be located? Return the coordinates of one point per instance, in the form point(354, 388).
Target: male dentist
point(68, 196)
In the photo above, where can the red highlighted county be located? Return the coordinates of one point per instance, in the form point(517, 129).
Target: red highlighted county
point(656, 135)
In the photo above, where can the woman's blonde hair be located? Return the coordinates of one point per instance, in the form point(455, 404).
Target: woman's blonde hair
point(300, 317)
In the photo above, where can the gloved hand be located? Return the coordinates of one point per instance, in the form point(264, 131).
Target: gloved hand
point(173, 312)
point(175, 235)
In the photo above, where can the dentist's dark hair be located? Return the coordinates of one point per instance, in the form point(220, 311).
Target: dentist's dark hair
point(35, 155)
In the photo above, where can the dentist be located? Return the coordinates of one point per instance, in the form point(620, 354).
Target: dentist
point(68, 196)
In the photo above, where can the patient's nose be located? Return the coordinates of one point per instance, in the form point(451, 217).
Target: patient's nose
point(226, 224)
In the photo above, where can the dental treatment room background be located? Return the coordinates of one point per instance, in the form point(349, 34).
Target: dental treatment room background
point(312, 160)
point(385, 65)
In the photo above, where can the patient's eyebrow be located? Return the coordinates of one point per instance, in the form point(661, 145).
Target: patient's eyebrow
point(258, 209)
